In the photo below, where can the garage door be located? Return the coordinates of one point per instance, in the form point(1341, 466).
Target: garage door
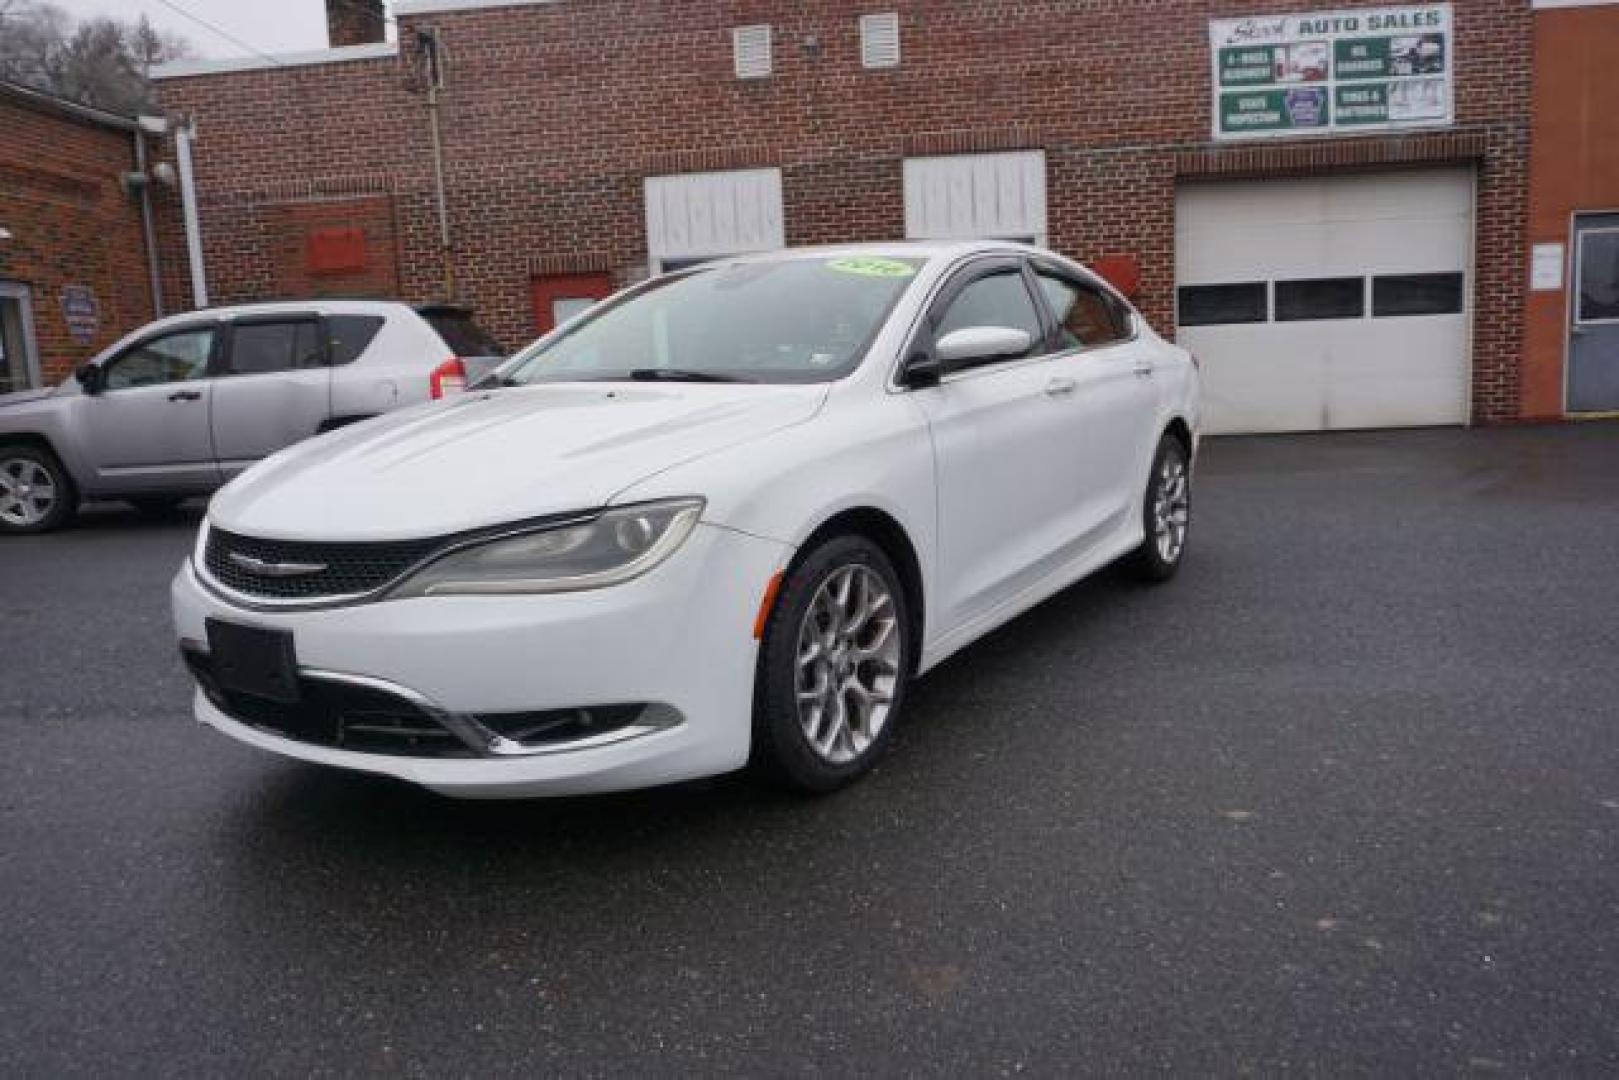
point(1339, 302)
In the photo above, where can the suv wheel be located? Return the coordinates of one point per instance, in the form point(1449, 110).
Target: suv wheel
point(35, 492)
point(833, 667)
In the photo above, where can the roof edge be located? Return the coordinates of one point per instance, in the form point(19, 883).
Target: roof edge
point(434, 7)
point(46, 102)
point(181, 69)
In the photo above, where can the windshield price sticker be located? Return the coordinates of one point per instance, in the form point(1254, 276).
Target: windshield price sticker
point(1332, 72)
point(872, 267)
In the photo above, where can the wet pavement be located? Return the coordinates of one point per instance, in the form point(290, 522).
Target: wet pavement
point(1344, 797)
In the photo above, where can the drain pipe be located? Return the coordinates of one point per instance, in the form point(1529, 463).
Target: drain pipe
point(433, 53)
point(148, 233)
point(188, 201)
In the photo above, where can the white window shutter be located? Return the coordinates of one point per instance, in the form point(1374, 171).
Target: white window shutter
point(752, 45)
point(879, 40)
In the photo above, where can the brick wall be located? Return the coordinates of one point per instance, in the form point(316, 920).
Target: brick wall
point(556, 112)
point(1574, 167)
point(71, 225)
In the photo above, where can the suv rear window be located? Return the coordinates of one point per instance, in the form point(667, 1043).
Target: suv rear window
point(348, 335)
point(461, 334)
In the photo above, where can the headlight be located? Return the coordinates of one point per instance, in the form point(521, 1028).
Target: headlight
point(612, 547)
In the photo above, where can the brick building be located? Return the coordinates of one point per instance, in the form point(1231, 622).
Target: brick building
point(75, 260)
point(1328, 205)
point(1571, 346)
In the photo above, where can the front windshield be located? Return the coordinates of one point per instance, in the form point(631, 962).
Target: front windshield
point(787, 321)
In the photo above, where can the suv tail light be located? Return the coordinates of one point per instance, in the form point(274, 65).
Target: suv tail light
point(448, 378)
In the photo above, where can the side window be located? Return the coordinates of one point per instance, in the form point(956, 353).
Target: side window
point(171, 358)
point(998, 299)
point(1086, 316)
point(347, 336)
point(260, 347)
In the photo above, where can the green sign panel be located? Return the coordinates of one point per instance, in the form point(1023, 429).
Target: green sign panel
point(1361, 58)
point(1245, 66)
point(1274, 110)
point(1362, 104)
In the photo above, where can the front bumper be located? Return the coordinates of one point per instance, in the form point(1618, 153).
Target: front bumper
point(679, 640)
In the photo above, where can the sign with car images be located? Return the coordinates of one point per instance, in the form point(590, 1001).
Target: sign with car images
point(1333, 73)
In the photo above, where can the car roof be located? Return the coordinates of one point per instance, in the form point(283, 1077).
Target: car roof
point(283, 307)
point(898, 249)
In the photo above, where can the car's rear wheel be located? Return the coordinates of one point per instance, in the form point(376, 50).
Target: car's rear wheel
point(36, 494)
point(1166, 512)
point(833, 667)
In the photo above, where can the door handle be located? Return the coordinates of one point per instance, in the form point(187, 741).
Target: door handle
point(1143, 371)
point(186, 395)
point(1061, 387)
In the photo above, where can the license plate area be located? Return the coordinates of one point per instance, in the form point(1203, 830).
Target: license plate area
point(254, 660)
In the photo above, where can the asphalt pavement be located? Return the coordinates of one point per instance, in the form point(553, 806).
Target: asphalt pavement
point(1342, 798)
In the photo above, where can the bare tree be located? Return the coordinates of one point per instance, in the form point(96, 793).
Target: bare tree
point(102, 62)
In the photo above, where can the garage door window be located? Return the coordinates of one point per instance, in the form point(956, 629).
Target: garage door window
point(1218, 305)
point(1320, 298)
point(1417, 294)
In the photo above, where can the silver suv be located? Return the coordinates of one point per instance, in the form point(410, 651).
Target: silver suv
point(182, 405)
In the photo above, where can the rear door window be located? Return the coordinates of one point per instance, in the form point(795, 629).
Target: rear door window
point(1086, 316)
point(260, 348)
point(462, 335)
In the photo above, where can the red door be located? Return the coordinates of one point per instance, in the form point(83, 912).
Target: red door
point(559, 297)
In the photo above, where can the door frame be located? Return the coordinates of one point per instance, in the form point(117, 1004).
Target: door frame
point(23, 294)
point(1571, 296)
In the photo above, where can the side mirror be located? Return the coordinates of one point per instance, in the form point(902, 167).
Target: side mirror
point(921, 372)
point(89, 376)
point(975, 344)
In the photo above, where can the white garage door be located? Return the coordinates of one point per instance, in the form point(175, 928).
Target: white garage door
point(1340, 302)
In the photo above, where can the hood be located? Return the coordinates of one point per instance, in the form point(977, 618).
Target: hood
point(488, 458)
point(22, 397)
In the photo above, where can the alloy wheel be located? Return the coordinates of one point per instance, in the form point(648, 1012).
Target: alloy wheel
point(27, 492)
point(848, 663)
point(1171, 508)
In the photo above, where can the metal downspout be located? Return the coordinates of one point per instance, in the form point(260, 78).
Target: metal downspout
point(188, 200)
point(148, 233)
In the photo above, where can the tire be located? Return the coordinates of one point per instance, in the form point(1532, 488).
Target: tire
point(800, 745)
point(156, 506)
point(1166, 514)
point(36, 493)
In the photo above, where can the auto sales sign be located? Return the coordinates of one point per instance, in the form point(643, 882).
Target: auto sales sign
point(1333, 73)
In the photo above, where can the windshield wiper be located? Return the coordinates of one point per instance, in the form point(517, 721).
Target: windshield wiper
point(665, 374)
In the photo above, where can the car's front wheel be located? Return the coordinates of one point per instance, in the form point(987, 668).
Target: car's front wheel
point(36, 494)
point(833, 667)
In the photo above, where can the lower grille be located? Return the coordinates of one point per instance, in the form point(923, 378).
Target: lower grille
point(336, 715)
point(249, 565)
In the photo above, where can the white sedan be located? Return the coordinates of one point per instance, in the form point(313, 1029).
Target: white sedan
point(722, 518)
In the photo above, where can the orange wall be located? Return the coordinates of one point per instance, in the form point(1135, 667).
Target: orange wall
point(1574, 166)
